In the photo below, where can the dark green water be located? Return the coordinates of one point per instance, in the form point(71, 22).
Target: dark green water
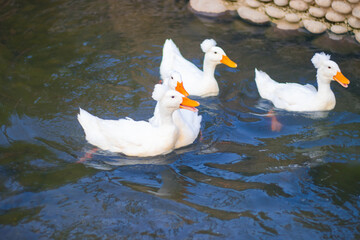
point(239, 181)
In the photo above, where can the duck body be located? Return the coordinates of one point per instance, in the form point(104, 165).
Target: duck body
point(196, 82)
point(188, 122)
point(297, 97)
point(136, 138)
point(132, 138)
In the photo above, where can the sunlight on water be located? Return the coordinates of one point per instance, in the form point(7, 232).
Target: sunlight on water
point(238, 180)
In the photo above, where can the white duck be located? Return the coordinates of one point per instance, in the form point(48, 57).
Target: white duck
point(138, 138)
point(187, 122)
point(196, 82)
point(296, 97)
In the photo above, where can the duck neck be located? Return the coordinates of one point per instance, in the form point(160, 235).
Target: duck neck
point(209, 68)
point(323, 87)
point(325, 95)
point(166, 116)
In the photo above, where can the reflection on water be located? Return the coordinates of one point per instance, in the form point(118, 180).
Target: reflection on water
point(239, 179)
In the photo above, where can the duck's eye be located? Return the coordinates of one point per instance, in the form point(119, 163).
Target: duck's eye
point(172, 77)
point(172, 96)
point(329, 67)
point(215, 52)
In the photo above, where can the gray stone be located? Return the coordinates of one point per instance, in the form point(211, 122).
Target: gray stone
point(211, 7)
point(253, 3)
point(314, 26)
point(356, 12)
point(274, 12)
point(353, 1)
point(281, 3)
point(338, 29)
point(298, 5)
point(357, 37)
point(292, 17)
point(253, 15)
point(354, 22)
point(333, 16)
point(341, 7)
point(323, 3)
point(317, 12)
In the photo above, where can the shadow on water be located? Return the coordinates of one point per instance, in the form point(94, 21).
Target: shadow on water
point(239, 179)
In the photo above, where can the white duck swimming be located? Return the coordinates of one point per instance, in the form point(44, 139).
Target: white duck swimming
point(196, 82)
point(296, 97)
point(138, 138)
point(188, 122)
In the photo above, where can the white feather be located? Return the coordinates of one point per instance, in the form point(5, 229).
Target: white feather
point(319, 58)
point(207, 44)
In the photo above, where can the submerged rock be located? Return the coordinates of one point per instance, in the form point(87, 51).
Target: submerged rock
point(285, 25)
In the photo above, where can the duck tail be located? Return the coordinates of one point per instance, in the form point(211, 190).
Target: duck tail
point(89, 123)
point(170, 50)
point(265, 84)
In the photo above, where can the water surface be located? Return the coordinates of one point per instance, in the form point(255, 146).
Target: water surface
point(238, 180)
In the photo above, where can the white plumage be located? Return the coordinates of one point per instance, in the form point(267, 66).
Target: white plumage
point(296, 97)
point(187, 122)
point(137, 138)
point(196, 82)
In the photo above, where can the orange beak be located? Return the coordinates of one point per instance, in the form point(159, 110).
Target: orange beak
point(180, 88)
point(340, 78)
point(189, 104)
point(225, 60)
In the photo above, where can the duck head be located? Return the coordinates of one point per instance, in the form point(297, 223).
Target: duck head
point(216, 54)
point(172, 99)
point(328, 70)
point(174, 82)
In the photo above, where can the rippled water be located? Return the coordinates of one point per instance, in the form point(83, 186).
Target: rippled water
point(238, 180)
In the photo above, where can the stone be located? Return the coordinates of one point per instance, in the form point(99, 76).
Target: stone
point(253, 15)
point(357, 37)
point(314, 26)
point(309, 1)
point(265, 1)
point(317, 12)
point(333, 16)
point(323, 3)
point(354, 22)
point(281, 3)
point(292, 18)
point(274, 12)
point(353, 1)
point(208, 7)
point(253, 3)
point(299, 5)
point(338, 29)
point(341, 7)
point(285, 25)
point(356, 12)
